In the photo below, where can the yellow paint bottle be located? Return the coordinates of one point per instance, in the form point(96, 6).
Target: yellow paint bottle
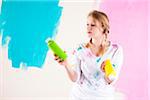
point(109, 70)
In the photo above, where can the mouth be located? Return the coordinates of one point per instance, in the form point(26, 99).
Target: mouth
point(89, 32)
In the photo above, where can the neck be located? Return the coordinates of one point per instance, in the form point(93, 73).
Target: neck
point(96, 42)
point(97, 48)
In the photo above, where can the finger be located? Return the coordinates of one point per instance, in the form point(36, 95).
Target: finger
point(107, 80)
point(55, 55)
point(56, 58)
point(103, 67)
point(61, 60)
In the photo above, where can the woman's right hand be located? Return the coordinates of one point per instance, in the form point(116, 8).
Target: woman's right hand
point(60, 61)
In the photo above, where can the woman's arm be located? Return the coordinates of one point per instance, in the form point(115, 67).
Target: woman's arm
point(71, 73)
point(117, 63)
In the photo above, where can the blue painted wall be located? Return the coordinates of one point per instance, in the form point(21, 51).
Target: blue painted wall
point(29, 24)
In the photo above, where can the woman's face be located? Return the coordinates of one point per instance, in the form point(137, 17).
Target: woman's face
point(94, 28)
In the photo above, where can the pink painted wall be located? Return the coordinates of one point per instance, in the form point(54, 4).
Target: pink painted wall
point(129, 27)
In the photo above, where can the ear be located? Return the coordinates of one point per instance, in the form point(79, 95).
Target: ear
point(104, 31)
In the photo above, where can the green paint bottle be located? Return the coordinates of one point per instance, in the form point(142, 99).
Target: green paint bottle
point(56, 49)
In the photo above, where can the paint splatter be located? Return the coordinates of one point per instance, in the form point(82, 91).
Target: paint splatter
point(28, 24)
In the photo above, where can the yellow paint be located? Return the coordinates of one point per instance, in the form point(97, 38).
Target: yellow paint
point(109, 70)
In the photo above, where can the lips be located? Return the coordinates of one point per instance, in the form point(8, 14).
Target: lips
point(89, 32)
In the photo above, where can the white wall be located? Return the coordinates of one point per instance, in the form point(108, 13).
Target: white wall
point(51, 80)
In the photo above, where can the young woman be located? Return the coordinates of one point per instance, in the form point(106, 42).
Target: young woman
point(87, 67)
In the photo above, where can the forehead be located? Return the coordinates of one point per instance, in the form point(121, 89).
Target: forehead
point(92, 20)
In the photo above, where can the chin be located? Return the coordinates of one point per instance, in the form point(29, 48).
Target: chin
point(89, 35)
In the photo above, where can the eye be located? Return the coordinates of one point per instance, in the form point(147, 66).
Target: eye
point(92, 25)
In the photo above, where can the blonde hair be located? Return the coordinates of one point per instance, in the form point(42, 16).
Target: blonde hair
point(103, 19)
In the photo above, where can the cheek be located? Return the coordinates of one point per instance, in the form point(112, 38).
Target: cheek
point(99, 32)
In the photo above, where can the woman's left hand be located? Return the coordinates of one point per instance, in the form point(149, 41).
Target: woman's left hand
point(107, 79)
point(103, 70)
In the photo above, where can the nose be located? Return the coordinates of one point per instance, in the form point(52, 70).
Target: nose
point(89, 27)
